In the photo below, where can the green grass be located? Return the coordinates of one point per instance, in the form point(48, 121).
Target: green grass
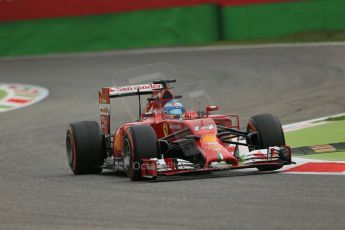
point(340, 118)
point(336, 156)
point(5, 107)
point(331, 132)
point(294, 38)
point(2, 94)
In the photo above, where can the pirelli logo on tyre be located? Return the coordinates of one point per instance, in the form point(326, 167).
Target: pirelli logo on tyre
point(14, 96)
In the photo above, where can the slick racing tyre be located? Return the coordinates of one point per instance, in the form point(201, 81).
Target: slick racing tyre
point(270, 133)
point(85, 147)
point(140, 142)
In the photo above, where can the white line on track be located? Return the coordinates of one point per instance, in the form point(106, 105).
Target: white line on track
point(309, 123)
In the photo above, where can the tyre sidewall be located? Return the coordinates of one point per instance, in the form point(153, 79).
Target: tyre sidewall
point(269, 129)
point(144, 145)
point(88, 147)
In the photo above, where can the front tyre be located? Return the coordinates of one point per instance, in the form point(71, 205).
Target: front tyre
point(85, 147)
point(140, 142)
point(270, 133)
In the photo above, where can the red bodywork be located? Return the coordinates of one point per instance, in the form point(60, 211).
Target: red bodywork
point(209, 145)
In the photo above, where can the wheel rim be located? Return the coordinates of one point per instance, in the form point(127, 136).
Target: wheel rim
point(70, 149)
point(127, 155)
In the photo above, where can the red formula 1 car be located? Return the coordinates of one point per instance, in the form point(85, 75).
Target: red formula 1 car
point(159, 145)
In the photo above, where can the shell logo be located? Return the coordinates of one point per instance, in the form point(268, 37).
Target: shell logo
point(209, 139)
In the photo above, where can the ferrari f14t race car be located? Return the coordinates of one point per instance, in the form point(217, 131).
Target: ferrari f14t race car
point(168, 140)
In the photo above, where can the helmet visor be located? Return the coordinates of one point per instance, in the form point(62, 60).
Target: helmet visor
point(177, 111)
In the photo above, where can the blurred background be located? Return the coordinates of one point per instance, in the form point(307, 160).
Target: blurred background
point(30, 27)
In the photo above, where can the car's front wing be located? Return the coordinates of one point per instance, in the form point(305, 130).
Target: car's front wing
point(272, 157)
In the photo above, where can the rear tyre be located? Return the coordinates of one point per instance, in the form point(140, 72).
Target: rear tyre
point(140, 142)
point(85, 147)
point(270, 133)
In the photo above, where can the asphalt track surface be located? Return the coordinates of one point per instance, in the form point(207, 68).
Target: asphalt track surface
point(38, 190)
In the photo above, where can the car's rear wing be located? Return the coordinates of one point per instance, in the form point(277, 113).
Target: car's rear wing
point(130, 90)
point(122, 91)
point(112, 92)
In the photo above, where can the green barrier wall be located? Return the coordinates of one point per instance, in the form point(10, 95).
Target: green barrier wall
point(173, 26)
point(279, 19)
point(168, 27)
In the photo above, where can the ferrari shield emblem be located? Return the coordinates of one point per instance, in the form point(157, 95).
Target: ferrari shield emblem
point(165, 129)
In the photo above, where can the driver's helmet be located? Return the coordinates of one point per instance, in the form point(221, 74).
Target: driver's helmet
point(174, 109)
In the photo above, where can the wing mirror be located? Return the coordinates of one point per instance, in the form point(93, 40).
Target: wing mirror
point(211, 108)
point(149, 114)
